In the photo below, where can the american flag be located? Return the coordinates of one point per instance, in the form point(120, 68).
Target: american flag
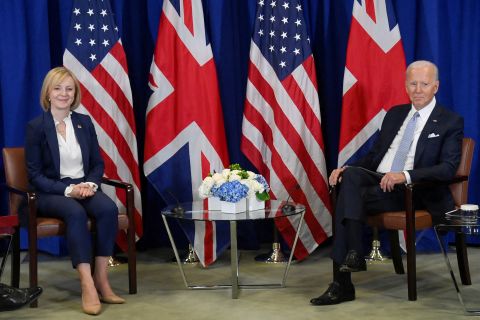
point(281, 126)
point(374, 78)
point(185, 136)
point(95, 54)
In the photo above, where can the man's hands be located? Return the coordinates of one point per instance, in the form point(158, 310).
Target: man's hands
point(82, 191)
point(390, 179)
point(388, 182)
point(335, 176)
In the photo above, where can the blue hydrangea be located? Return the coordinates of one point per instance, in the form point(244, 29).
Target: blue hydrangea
point(231, 191)
point(263, 182)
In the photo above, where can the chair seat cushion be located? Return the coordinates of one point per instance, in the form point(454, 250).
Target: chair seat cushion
point(48, 227)
point(396, 220)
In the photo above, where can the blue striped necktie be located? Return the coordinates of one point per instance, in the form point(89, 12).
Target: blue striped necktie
point(401, 155)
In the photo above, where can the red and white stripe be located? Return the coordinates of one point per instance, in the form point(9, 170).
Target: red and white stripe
point(282, 138)
point(107, 98)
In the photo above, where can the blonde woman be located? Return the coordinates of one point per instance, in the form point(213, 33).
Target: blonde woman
point(65, 169)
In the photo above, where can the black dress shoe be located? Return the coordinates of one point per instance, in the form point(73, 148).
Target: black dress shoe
point(335, 294)
point(353, 262)
point(13, 298)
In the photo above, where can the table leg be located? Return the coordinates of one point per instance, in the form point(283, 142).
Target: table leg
point(439, 234)
point(234, 258)
point(287, 268)
point(175, 251)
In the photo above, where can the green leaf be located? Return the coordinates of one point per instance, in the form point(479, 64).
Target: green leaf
point(264, 196)
point(243, 174)
point(235, 166)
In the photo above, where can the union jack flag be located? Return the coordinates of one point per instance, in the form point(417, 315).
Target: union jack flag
point(374, 78)
point(185, 136)
point(95, 54)
point(281, 125)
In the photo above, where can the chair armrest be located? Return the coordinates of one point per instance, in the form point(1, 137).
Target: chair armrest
point(117, 183)
point(455, 179)
point(129, 199)
point(19, 191)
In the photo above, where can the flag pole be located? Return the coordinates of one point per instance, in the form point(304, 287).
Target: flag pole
point(275, 255)
point(375, 255)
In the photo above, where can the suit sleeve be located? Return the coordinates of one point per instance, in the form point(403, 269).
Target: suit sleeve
point(96, 167)
point(35, 143)
point(449, 156)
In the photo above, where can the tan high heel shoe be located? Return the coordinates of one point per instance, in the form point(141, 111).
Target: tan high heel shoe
point(112, 299)
point(91, 309)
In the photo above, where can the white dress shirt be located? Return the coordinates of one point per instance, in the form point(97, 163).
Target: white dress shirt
point(386, 163)
point(71, 162)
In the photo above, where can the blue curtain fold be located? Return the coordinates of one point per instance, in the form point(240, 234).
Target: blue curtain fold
point(33, 34)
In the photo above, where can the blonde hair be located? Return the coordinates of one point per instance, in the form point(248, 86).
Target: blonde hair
point(53, 78)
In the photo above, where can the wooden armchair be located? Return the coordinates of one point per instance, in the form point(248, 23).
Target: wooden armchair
point(411, 220)
point(40, 227)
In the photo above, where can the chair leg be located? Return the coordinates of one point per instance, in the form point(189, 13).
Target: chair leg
point(132, 262)
point(396, 252)
point(462, 258)
point(411, 268)
point(33, 264)
point(410, 239)
point(94, 248)
point(16, 259)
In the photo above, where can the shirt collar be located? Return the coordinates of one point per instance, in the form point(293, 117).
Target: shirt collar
point(425, 111)
point(67, 118)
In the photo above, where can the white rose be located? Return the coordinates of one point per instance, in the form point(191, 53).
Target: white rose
point(206, 187)
point(217, 177)
point(248, 183)
point(234, 176)
point(257, 186)
point(225, 173)
point(251, 175)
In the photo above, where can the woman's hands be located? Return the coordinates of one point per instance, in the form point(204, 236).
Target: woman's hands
point(82, 191)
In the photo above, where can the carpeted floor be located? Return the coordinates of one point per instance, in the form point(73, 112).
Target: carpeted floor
point(381, 294)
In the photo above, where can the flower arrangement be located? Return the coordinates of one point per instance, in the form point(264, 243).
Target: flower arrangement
point(234, 184)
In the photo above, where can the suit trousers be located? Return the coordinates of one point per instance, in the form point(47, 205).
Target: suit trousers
point(360, 195)
point(75, 213)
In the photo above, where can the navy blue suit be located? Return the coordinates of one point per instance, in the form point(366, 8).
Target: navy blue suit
point(43, 165)
point(437, 157)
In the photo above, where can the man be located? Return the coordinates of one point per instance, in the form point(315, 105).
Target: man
point(418, 141)
point(13, 298)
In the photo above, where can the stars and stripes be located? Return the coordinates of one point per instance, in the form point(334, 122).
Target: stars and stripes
point(185, 136)
point(95, 54)
point(281, 126)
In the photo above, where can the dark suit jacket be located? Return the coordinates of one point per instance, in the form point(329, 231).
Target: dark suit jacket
point(43, 156)
point(437, 155)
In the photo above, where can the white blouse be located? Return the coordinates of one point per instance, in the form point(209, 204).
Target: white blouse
point(71, 162)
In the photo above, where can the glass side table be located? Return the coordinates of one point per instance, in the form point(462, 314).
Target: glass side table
point(453, 222)
point(195, 211)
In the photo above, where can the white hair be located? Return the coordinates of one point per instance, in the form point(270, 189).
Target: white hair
point(423, 63)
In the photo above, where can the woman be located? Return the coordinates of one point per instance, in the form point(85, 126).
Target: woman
point(65, 168)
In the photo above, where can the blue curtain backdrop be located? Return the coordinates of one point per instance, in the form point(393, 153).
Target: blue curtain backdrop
point(33, 34)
